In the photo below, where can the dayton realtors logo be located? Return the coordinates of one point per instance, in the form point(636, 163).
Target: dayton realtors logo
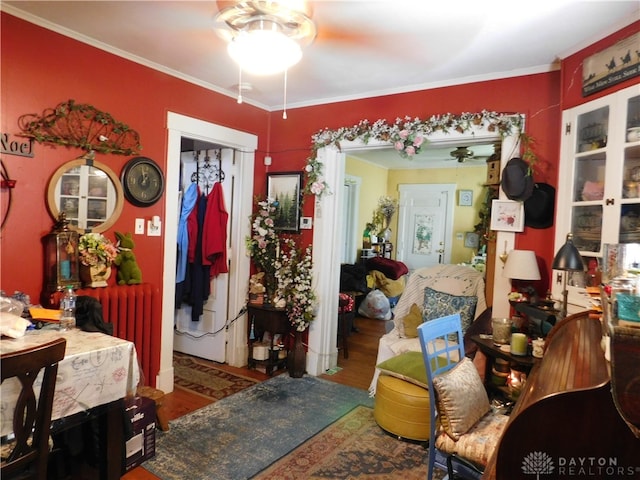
point(541, 464)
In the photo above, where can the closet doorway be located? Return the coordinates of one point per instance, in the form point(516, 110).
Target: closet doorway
point(201, 317)
point(238, 189)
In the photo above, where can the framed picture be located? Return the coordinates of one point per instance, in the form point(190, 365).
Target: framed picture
point(507, 215)
point(465, 198)
point(284, 189)
point(471, 240)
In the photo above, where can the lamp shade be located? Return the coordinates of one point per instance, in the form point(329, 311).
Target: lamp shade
point(568, 257)
point(521, 265)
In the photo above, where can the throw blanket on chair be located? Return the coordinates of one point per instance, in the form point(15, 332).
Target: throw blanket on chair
point(451, 279)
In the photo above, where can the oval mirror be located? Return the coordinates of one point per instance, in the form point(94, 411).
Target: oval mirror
point(88, 192)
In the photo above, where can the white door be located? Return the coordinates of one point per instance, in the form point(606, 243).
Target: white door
point(424, 224)
point(205, 337)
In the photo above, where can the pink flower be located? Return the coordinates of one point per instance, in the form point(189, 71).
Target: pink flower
point(410, 151)
point(418, 141)
point(317, 188)
point(403, 134)
point(398, 145)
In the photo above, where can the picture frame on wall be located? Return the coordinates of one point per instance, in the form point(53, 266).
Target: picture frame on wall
point(465, 198)
point(507, 216)
point(284, 189)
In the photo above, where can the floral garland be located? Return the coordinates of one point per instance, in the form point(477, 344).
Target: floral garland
point(294, 274)
point(263, 245)
point(407, 136)
point(95, 248)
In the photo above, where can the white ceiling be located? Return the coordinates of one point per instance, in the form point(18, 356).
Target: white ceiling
point(364, 48)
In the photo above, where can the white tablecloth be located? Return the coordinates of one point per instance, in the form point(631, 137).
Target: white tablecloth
point(96, 369)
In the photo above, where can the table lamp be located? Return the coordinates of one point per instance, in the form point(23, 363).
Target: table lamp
point(521, 265)
point(567, 259)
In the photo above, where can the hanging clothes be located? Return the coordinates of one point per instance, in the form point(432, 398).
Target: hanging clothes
point(188, 203)
point(198, 270)
point(214, 236)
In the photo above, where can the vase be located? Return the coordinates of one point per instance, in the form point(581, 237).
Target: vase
point(387, 234)
point(95, 276)
point(297, 361)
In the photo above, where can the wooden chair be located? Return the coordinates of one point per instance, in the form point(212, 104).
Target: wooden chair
point(467, 433)
point(31, 418)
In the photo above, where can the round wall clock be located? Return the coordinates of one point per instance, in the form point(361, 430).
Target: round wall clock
point(142, 181)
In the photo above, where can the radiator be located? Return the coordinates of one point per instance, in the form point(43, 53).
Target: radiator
point(135, 312)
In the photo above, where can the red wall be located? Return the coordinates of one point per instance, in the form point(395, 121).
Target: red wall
point(535, 96)
point(40, 69)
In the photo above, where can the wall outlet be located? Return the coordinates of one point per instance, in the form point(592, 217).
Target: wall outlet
point(139, 229)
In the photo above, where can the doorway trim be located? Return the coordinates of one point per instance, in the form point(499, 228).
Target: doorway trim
point(323, 352)
point(244, 144)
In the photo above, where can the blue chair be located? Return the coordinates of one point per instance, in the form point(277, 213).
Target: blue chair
point(468, 431)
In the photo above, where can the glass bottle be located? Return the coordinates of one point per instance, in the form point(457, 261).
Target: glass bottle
point(68, 307)
point(366, 237)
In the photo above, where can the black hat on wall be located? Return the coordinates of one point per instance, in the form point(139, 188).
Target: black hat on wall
point(516, 182)
point(539, 207)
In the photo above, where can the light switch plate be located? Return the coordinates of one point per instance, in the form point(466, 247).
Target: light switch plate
point(139, 230)
point(306, 223)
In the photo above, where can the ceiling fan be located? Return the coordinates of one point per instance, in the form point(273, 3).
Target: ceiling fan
point(462, 154)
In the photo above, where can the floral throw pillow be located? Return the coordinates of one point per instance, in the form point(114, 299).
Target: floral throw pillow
point(462, 399)
point(439, 304)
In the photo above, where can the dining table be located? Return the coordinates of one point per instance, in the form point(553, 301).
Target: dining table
point(96, 375)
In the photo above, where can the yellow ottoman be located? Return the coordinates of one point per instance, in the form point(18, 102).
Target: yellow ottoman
point(402, 408)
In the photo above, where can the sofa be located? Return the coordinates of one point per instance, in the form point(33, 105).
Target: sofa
point(457, 282)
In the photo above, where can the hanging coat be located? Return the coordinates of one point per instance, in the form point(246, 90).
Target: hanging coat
point(188, 203)
point(199, 271)
point(214, 235)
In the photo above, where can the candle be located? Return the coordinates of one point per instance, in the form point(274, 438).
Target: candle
point(501, 330)
point(65, 269)
point(518, 344)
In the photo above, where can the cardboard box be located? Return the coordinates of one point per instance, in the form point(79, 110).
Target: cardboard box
point(140, 433)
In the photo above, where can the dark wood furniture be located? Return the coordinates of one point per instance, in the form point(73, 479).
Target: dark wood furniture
point(382, 249)
point(540, 320)
point(492, 351)
point(565, 423)
point(265, 318)
point(31, 423)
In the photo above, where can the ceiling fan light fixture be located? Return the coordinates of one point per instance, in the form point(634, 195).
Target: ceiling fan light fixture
point(264, 50)
point(265, 36)
point(462, 154)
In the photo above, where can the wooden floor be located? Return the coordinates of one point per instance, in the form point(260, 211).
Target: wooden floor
point(355, 371)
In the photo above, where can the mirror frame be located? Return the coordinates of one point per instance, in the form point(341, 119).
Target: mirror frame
point(55, 178)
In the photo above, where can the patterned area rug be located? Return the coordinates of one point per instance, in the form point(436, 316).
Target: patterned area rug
point(354, 447)
point(241, 435)
point(203, 379)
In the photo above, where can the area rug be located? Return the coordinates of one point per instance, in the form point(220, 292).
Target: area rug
point(353, 447)
point(199, 377)
point(241, 435)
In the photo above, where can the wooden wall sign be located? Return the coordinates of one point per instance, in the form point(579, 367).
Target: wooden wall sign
point(20, 146)
point(613, 65)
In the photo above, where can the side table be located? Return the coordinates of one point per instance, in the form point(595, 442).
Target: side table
point(522, 363)
point(265, 318)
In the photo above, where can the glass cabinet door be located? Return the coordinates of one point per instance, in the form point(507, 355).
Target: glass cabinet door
point(590, 165)
point(630, 188)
